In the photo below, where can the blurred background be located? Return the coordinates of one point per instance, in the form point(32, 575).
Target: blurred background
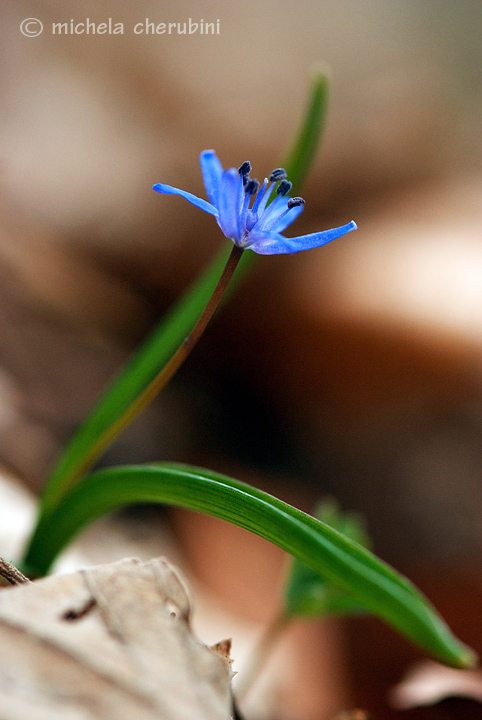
point(354, 370)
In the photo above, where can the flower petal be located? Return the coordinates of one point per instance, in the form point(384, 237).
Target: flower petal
point(198, 202)
point(212, 171)
point(271, 243)
point(230, 199)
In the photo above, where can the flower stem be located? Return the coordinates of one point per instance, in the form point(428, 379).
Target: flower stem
point(175, 362)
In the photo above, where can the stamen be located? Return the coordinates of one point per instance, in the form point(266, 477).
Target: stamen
point(252, 187)
point(295, 202)
point(265, 198)
point(260, 195)
point(244, 171)
point(284, 187)
point(244, 213)
point(278, 174)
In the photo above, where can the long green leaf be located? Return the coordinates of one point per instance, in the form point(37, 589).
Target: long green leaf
point(106, 420)
point(300, 156)
point(354, 569)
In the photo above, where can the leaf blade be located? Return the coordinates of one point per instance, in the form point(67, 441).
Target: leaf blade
point(299, 158)
point(354, 569)
point(106, 419)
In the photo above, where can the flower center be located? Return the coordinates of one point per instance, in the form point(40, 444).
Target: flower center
point(262, 215)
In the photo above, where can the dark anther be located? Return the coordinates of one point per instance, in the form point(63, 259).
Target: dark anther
point(278, 174)
point(284, 187)
point(252, 187)
point(244, 170)
point(295, 202)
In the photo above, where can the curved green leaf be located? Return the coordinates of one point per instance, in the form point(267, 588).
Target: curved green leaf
point(111, 413)
point(351, 567)
point(300, 157)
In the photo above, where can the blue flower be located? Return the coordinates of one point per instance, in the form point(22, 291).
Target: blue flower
point(257, 227)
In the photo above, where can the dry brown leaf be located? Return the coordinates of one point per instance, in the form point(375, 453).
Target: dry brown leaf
point(429, 682)
point(112, 642)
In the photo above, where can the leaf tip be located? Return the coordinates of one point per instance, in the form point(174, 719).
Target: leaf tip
point(468, 658)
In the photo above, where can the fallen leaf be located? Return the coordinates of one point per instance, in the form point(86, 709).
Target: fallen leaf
point(112, 642)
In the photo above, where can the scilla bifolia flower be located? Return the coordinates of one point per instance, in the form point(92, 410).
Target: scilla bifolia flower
point(258, 227)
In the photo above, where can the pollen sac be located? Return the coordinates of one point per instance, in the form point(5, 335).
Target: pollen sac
point(295, 202)
point(284, 187)
point(251, 187)
point(278, 174)
point(244, 171)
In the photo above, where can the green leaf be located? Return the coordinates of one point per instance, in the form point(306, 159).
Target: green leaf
point(372, 583)
point(299, 159)
point(112, 412)
point(307, 593)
